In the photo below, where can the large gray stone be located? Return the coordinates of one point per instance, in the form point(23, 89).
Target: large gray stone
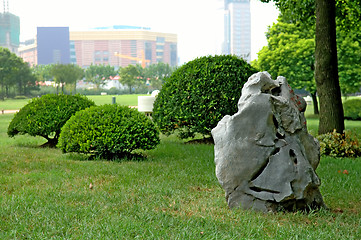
point(265, 159)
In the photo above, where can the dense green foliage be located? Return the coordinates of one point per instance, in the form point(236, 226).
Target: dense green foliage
point(348, 12)
point(66, 74)
point(45, 116)
point(129, 76)
point(199, 94)
point(97, 74)
point(352, 109)
point(291, 53)
point(339, 145)
point(108, 131)
point(15, 74)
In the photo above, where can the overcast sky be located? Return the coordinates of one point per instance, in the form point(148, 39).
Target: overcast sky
point(198, 23)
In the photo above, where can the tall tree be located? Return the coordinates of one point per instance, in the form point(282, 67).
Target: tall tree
point(326, 72)
point(326, 68)
point(66, 74)
point(97, 74)
point(129, 76)
point(156, 74)
point(14, 73)
point(42, 72)
point(290, 53)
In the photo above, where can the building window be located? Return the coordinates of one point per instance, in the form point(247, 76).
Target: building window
point(56, 56)
point(160, 40)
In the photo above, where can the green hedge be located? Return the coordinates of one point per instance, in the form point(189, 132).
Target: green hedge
point(108, 131)
point(198, 94)
point(46, 115)
point(352, 109)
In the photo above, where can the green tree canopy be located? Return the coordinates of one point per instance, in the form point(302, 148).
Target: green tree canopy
point(290, 53)
point(97, 74)
point(66, 74)
point(347, 14)
point(42, 72)
point(14, 73)
point(130, 76)
point(157, 73)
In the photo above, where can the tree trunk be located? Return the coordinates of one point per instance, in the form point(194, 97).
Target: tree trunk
point(326, 72)
point(315, 103)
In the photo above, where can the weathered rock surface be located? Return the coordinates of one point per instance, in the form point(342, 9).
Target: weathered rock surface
point(265, 159)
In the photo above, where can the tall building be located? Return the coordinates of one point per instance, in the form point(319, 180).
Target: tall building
point(53, 45)
point(120, 46)
point(237, 28)
point(9, 31)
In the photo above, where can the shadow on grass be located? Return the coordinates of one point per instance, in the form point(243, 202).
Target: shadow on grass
point(124, 157)
point(208, 140)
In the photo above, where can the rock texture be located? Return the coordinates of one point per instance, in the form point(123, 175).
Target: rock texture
point(265, 159)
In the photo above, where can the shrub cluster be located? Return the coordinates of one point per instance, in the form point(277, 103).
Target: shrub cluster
point(339, 145)
point(108, 131)
point(352, 109)
point(46, 115)
point(197, 95)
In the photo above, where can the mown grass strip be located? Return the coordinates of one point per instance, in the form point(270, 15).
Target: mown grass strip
point(173, 194)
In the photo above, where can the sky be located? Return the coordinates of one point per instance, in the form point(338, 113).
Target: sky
point(197, 23)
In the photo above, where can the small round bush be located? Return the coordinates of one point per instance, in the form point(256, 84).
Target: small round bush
point(352, 109)
point(199, 94)
point(45, 116)
point(108, 131)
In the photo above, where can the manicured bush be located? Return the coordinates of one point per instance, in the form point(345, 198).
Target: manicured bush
point(108, 131)
point(198, 94)
point(339, 145)
point(352, 109)
point(46, 115)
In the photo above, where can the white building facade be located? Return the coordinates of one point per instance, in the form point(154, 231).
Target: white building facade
point(237, 28)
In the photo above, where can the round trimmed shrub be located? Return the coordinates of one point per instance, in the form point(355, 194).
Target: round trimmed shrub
point(108, 131)
point(45, 116)
point(199, 94)
point(352, 109)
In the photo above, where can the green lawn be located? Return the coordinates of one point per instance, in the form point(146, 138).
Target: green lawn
point(173, 194)
point(128, 100)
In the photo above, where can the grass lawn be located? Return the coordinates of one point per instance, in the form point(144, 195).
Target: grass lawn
point(173, 194)
point(128, 100)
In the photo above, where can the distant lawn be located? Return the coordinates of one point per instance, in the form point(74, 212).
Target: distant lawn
point(173, 194)
point(128, 100)
point(13, 104)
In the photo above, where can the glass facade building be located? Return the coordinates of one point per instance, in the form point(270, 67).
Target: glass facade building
point(237, 28)
point(53, 45)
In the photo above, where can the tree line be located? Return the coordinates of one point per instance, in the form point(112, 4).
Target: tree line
point(18, 78)
point(325, 16)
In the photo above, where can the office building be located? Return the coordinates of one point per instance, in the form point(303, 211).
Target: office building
point(120, 46)
point(53, 45)
point(116, 46)
point(237, 28)
point(50, 46)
